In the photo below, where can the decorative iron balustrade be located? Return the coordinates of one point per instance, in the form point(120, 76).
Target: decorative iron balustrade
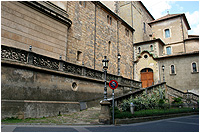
point(31, 58)
point(14, 54)
point(72, 68)
point(45, 62)
point(93, 73)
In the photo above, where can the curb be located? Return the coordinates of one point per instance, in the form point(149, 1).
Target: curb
point(150, 118)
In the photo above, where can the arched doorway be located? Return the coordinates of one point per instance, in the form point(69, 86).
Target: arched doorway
point(146, 77)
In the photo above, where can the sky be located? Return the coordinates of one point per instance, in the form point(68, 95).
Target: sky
point(159, 8)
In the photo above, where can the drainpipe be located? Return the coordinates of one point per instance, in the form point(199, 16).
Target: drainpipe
point(183, 34)
point(132, 38)
point(95, 24)
point(118, 44)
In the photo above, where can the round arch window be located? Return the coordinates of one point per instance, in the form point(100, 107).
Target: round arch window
point(74, 86)
point(145, 56)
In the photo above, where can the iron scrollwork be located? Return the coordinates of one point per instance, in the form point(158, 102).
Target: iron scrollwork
point(45, 62)
point(13, 54)
point(69, 68)
point(93, 74)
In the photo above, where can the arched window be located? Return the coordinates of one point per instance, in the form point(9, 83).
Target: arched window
point(194, 67)
point(172, 69)
point(144, 26)
point(109, 46)
point(151, 47)
point(108, 19)
point(139, 50)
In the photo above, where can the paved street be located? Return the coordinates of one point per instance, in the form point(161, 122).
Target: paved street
point(179, 124)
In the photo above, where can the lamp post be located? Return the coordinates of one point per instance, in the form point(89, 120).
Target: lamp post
point(105, 116)
point(163, 68)
point(105, 67)
point(118, 56)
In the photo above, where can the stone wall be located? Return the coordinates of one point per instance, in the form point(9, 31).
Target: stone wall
point(33, 85)
point(22, 26)
point(93, 37)
point(136, 15)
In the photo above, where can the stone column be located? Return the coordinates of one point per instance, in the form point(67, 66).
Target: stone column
point(105, 116)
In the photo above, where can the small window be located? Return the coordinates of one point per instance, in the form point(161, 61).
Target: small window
point(172, 69)
point(151, 47)
point(145, 56)
point(109, 19)
point(139, 50)
point(109, 46)
point(127, 32)
point(194, 67)
point(144, 26)
point(79, 55)
point(168, 49)
point(82, 3)
point(167, 33)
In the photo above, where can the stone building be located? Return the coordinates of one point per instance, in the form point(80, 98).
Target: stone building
point(172, 47)
point(164, 41)
point(52, 53)
point(52, 56)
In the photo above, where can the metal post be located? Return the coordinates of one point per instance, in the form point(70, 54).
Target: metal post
point(118, 67)
point(113, 106)
point(105, 88)
point(163, 76)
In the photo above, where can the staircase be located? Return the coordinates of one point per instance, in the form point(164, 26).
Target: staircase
point(170, 93)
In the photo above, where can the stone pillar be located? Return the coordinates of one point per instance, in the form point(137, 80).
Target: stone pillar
point(105, 116)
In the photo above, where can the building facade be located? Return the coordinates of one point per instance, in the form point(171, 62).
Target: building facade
point(52, 53)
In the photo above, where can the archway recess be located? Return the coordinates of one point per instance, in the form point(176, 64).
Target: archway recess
point(146, 77)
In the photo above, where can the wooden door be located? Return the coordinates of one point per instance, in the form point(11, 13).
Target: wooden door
point(147, 78)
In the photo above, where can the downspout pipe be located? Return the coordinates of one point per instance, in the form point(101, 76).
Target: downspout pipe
point(132, 37)
point(183, 33)
point(95, 26)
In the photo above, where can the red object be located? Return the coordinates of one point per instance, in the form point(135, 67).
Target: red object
point(113, 84)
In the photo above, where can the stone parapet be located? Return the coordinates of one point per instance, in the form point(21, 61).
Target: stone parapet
point(31, 58)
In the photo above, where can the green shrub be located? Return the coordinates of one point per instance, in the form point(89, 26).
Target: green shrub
point(146, 101)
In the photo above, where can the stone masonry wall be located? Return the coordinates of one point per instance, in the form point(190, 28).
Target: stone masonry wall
point(22, 26)
point(96, 40)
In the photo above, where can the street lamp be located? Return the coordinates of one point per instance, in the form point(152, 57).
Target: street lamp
point(105, 67)
point(118, 56)
point(163, 68)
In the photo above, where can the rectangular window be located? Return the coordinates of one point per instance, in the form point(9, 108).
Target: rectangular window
point(109, 19)
point(167, 33)
point(194, 67)
point(144, 27)
point(82, 3)
point(168, 50)
point(127, 32)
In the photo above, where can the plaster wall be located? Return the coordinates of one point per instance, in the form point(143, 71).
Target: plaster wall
point(174, 25)
point(183, 79)
point(192, 45)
